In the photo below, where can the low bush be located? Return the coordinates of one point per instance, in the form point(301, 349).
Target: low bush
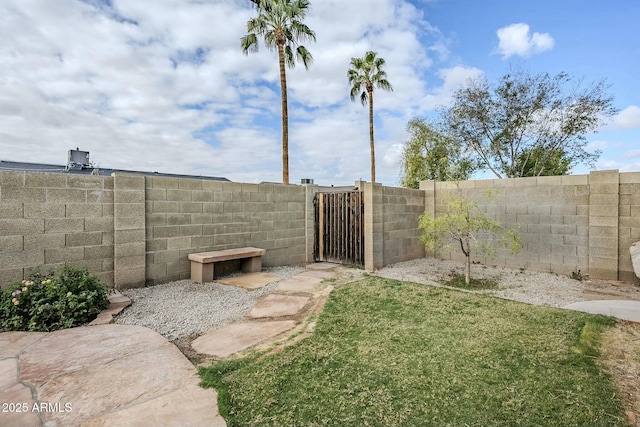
point(48, 302)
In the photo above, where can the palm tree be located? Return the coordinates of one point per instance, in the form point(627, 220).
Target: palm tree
point(279, 23)
point(366, 74)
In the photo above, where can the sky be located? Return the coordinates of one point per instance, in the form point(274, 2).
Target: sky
point(163, 85)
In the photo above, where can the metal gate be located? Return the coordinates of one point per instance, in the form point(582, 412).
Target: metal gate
point(339, 227)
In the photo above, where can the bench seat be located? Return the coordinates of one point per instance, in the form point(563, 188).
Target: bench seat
point(202, 263)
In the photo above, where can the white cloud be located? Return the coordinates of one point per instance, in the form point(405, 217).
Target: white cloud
point(629, 118)
point(163, 86)
point(633, 154)
point(515, 39)
point(453, 78)
point(596, 145)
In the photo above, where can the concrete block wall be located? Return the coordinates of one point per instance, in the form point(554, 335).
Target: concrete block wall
point(373, 227)
point(401, 210)
point(133, 230)
point(550, 214)
point(129, 231)
point(184, 216)
point(629, 223)
point(566, 223)
point(603, 248)
point(50, 219)
point(391, 231)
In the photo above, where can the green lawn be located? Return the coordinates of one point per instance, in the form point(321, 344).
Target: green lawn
point(390, 353)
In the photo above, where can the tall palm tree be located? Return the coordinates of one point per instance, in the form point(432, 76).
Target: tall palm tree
point(366, 74)
point(279, 23)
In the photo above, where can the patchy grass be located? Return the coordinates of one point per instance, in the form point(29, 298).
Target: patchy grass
point(390, 353)
point(458, 281)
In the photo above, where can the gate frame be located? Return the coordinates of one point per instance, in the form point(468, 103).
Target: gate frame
point(339, 226)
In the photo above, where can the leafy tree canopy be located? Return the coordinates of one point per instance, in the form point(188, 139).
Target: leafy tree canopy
point(528, 118)
point(541, 162)
point(430, 155)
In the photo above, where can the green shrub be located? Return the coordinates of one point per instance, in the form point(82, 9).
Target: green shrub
point(48, 302)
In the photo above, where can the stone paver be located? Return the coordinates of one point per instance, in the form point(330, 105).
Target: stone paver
point(322, 266)
point(276, 305)
point(117, 303)
point(306, 284)
point(238, 337)
point(250, 281)
point(88, 375)
point(120, 375)
point(322, 274)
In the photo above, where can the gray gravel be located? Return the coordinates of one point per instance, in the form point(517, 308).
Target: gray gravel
point(520, 285)
point(183, 308)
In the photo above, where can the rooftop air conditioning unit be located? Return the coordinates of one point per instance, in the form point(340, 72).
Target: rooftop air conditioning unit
point(78, 160)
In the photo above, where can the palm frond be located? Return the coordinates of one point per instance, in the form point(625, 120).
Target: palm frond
point(364, 97)
point(367, 72)
point(289, 57)
point(278, 18)
point(249, 43)
point(304, 56)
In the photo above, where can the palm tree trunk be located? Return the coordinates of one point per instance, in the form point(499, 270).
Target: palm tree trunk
point(371, 143)
point(285, 117)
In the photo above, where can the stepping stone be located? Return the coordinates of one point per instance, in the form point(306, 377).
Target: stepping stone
point(275, 305)
point(238, 336)
point(250, 281)
point(110, 375)
point(14, 343)
point(299, 284)
point(323, 274)
point(117, 303)
point(322, 266)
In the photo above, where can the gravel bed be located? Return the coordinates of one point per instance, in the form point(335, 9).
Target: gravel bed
point(520, 285)
point(182, 308)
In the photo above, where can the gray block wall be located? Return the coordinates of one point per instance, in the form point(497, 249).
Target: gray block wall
point(134, 230)
point(629, 223)
point(401, 210)
point(567, 224)
point(50, 219)
point(184, 216)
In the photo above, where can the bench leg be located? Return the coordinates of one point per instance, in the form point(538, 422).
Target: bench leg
point(252, 265)
point(201, 273)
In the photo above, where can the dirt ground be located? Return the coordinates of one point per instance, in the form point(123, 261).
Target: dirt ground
point(620, 348)
point(595, 289)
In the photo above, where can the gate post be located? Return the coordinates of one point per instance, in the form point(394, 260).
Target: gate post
point(309, 221)
point(373, 227)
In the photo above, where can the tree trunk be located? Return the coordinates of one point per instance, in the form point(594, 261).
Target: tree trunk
point(467, 270)
point(371, 143)
point(285, 117)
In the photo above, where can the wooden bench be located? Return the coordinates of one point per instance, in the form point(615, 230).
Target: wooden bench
point(202, 263)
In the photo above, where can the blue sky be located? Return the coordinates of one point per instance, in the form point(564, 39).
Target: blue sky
point(162, 85)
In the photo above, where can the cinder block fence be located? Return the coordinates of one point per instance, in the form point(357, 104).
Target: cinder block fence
point(566, 223)
point(136, 230)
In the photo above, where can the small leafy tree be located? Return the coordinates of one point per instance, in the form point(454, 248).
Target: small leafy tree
point(465, 224)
